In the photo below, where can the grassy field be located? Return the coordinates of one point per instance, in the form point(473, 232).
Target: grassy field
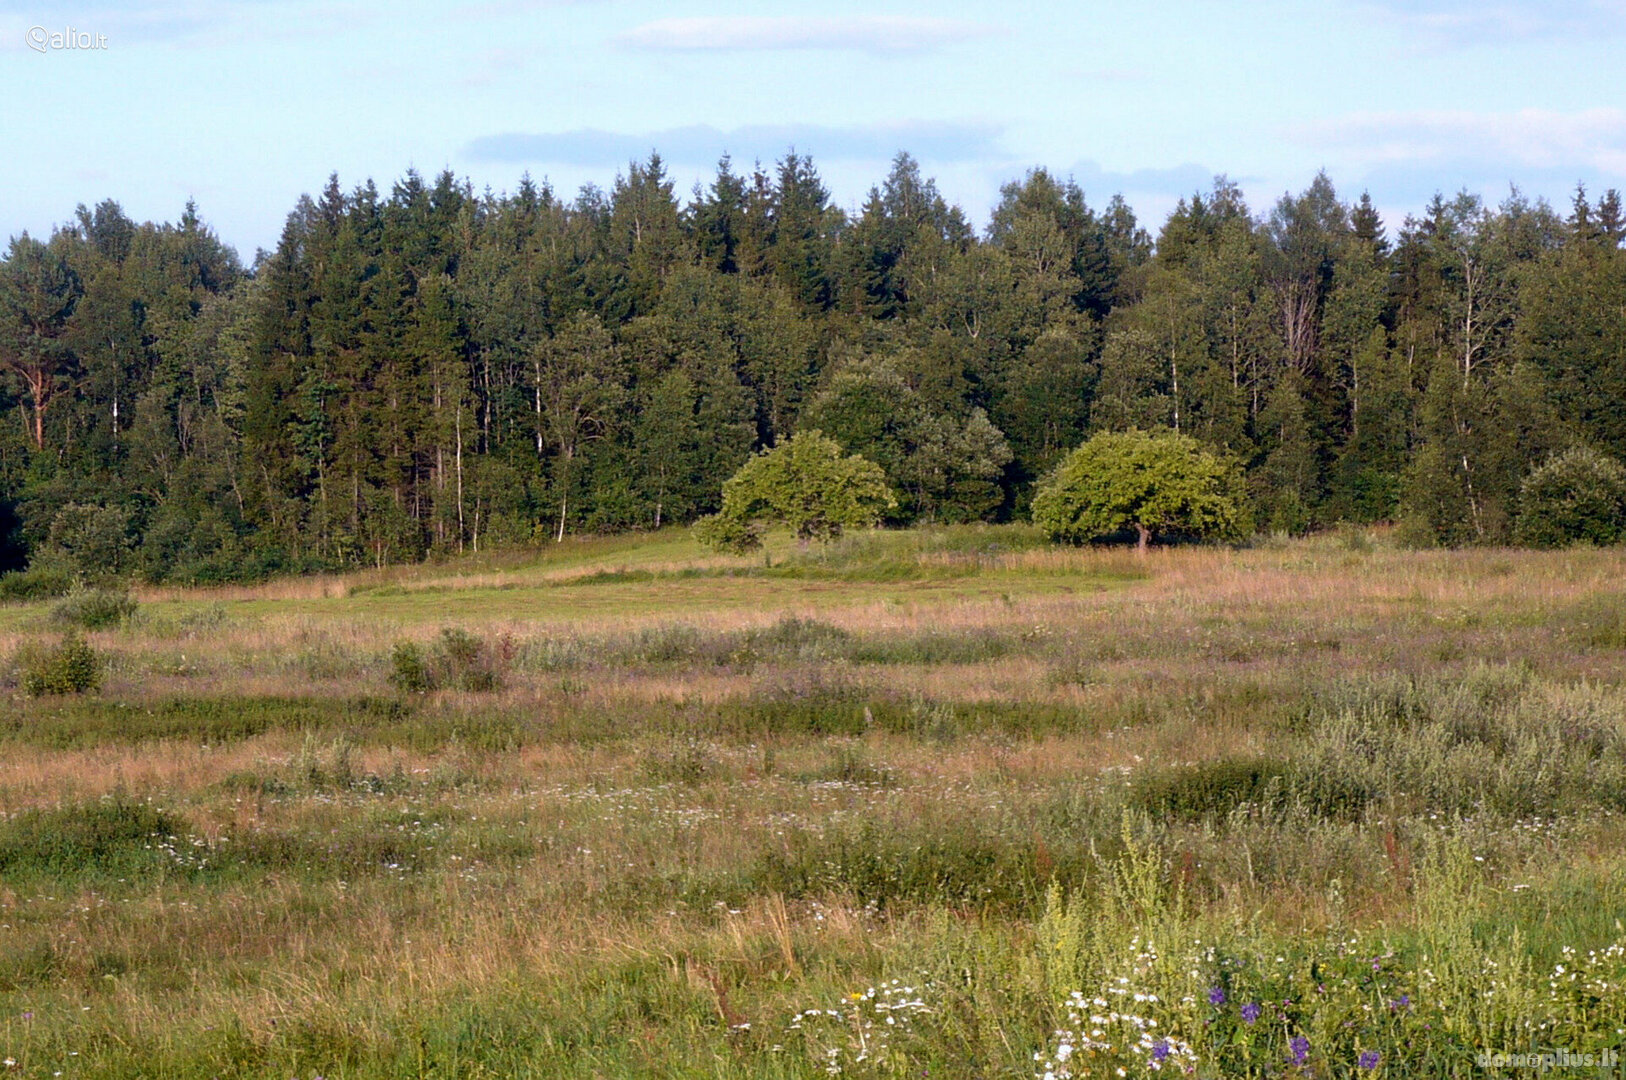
point(943, 803)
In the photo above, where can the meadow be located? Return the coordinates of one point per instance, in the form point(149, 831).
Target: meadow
point(933, 803)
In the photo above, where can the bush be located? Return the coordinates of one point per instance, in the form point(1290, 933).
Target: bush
point(94, 609)
point(796, 639)
point(458, 661)
point(408, 672)
point(93, 541)
point(1578, 496)
point(71, 668)
point(1150, 483)
point(462, 660)
point(728, 534)
point(42, 582)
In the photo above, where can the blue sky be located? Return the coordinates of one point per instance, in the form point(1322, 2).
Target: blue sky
point(244, 104)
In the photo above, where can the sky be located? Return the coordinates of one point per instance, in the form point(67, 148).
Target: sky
point(243, 105)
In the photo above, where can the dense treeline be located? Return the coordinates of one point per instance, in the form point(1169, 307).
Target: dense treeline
point(435, 370)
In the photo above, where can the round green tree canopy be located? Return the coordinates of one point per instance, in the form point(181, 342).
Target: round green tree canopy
point(804, 482)
point(1150, 482)
point(1577, 496)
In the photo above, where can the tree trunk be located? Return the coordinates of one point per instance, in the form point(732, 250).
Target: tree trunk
point(1143, 537)
point(40, 392)
point(460, 477)
point(566, 453)
point(540, 426)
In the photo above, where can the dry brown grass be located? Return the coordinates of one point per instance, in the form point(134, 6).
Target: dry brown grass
point(568, 862)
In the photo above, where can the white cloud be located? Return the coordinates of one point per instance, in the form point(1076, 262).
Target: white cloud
point(1536, 139)
point(1175, 181)
point(868, 33)
point(936, 141)
point(1467, 22)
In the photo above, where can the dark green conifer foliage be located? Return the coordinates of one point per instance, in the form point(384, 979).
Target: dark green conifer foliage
point(421, 368)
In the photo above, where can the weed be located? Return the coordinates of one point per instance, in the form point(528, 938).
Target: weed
point(94, 609)
point(72, 667)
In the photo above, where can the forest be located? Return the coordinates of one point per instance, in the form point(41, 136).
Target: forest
point(433, 370)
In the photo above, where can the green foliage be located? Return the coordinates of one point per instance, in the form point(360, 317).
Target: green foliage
point(605, 364)
point(39, 582)
point(1598, 622)
point(804, 483)
point(103, 836)
point(465, 661)
point(408, 672)
point(961, 863)
point(1153, 482)
point(1480, 438)
point(1251, 785)
point(945, 469)
point(94, 609)
point(72, 667)
point(92, 541)
point(1576, 496)
point(458, 660)
point(728, 533)
point(89, 721)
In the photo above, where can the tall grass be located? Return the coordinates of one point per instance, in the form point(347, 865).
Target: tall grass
point(711, 817)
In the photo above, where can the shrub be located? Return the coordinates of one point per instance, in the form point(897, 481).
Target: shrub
point(1577, 496)
point(797, 639)
point(94, 609)
point(93, 541)
point(71, 668)
point(458, 660)
point(462, 660)
point(1148, 482)
point(408, 672)
point(41, 582)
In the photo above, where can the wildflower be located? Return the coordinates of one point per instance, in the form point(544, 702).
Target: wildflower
point(1401, 1002)
point(1369, 1059)
point(1301, 1049)
point(1250, 1013)
point(1216, 996)
point(1160, 1050)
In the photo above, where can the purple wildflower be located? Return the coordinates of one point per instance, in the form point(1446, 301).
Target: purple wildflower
point(1216, 996)
point(1369, 1059)
point(1301, 1049)
point(1160, 1050)
point(1401, 1002)
point(1250, 1013)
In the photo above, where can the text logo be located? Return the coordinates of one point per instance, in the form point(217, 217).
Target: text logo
point(44, 40)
